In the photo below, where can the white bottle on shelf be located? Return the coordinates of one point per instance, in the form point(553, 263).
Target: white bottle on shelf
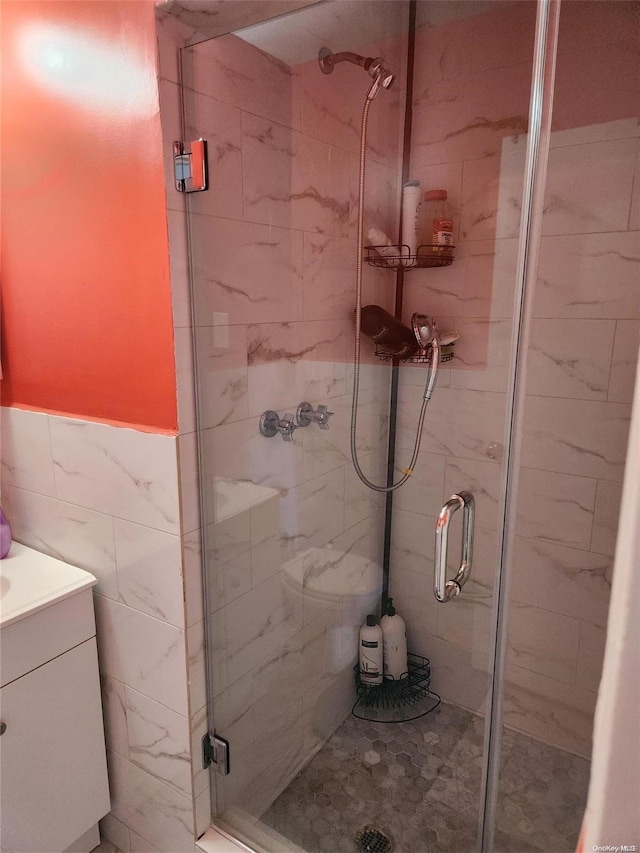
point(371, 651)
point(384, 246)
point(394, 643)
point(411, 204)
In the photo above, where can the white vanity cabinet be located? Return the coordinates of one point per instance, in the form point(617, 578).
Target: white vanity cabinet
point(53, 775)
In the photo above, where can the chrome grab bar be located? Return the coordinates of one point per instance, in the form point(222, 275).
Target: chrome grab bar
point(442, 588)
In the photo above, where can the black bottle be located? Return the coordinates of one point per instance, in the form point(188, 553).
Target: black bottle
point(384, 329)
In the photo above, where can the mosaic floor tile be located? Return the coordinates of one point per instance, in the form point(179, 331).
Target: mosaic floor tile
point(421, 782)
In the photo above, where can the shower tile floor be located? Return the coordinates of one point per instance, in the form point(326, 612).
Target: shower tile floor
point(420, 782)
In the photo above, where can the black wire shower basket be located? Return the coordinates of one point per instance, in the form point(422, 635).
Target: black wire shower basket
point(397, 700)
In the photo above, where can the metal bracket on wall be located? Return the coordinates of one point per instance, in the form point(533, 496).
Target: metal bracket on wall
point(190, 167)
point(215, 750)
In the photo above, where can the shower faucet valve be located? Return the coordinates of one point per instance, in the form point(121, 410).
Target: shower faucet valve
point(306, 415)
point(271, 424)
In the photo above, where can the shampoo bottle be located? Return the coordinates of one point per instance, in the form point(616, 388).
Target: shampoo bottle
point(411, 204)
point(371, 651)
point(394, 642)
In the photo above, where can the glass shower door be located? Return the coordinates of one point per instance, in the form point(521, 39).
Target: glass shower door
point(294, 543)
point(584, 335)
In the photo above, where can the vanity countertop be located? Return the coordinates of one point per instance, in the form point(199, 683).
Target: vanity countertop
point(31, 581)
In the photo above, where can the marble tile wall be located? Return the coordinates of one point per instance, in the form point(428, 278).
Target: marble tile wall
point(470, 111)
point(106, 499)
point(292, 539)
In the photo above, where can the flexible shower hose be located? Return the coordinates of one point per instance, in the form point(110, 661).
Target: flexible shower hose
point(406, 472)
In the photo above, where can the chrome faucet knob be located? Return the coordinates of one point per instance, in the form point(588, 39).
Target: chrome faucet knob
point(322, 417)
point(286, 427)
point(306, 415)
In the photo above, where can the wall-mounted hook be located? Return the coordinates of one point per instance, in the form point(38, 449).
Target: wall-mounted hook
point(271, 424)
point(306, 415)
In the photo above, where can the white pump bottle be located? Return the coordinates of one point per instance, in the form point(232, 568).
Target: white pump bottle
point(394, 643)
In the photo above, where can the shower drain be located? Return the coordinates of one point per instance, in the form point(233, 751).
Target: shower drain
point(372, 839)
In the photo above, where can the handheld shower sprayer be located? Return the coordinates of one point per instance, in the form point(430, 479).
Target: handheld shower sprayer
point(374, 66)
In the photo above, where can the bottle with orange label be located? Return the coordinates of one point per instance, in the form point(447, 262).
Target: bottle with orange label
point(436, 234)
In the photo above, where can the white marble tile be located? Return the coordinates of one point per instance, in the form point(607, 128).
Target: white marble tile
point(542, 641)
point(313, 512)
point(328, 277)
point(219, 124)
point(325, 706)
point(606, 517)
point(563, 361)
point(149, 566)
point(192, 570)
point(424, 490)
point(482, 355)
point(187, 452)
point(625, 361)
point(235, 72)
point(581, 581)
point(115, 832)
point(295, 361)
point(141, 845)
point(413, 543)
point(262, 774)
point(197, 664)
point(556, 507)
point(483, 480)
point(360, 502)
point(222, 374)
point(142, 652)
point(26, 451)
point(149, 807)
point(454, 122)
point(70, 533)
point(266, 461)
point(122, 472)
point(185, 379)
point(588, 275)
point(309, 656)
point(231, 580)
point(589, 187)
point(591, 655)
point(234, 713)
point(552, 711)
point(460, 676)
point(249, 271)
point(199, 726)
point(159, 741)
point(114, 708)
point(581, 437)
point(458, 423)
point(258, 623)
point(464, 289)
point(294, 181)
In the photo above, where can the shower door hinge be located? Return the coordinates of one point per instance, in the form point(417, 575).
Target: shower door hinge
point(215, 750)
point(190, 167)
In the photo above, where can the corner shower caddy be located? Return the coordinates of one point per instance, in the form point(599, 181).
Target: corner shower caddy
point(423, 356)
point(427, 255)
point(397, 700)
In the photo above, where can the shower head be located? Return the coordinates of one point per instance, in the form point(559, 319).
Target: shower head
point(382, 77)
point(425, 329)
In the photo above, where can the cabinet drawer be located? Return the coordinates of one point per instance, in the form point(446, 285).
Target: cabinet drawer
point(42, 636)
point(53, 774)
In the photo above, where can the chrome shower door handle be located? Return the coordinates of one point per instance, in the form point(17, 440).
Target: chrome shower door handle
point(442, 588)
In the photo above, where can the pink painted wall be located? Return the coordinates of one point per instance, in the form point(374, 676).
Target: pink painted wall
point(86, 303)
